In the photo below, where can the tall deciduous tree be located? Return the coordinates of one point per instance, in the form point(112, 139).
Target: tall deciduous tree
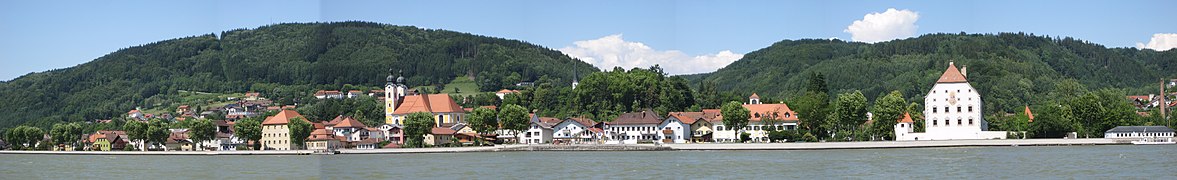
point(202, 130)
point(849, 113)
point(136, 131)
point(416, 126)
point(483, 120)
point(514, 117)
point(887, 110)
point(66, 133)
point(158, 131)
point(300, 129)
point(735, 116)
point(249, 129)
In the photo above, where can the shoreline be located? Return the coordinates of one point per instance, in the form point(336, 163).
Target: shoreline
point(634, 147)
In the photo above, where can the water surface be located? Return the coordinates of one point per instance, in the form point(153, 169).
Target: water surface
point(1083, 162)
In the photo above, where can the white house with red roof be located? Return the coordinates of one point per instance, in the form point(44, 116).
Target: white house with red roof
point(576, 131)
point(762, 119)
point(953, 110)
point(675, 129)
point(540, 130)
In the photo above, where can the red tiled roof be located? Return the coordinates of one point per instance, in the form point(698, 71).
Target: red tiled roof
point(323, 92)
point(432, 103)
point(951, 75)
point(321, 135)
point(781, 111)
point(505, 91)
point(439, 130)
point(906, 118)
point(283, 117)
point(349, 122)
point(754, 96)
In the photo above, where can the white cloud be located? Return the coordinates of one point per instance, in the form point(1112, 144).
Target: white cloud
point(613, 51)
point(1160, 42)
point(891, 24)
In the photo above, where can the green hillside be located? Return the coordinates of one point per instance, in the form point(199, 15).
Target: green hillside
point(1011, 70)
point(286, 62)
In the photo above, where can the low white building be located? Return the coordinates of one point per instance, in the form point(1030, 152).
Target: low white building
point(762, 119)
point(1138, 132)
point(575, 131)
point(633, 128)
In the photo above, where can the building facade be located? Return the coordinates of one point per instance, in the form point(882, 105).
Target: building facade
point(276, 130)
point(952, 110)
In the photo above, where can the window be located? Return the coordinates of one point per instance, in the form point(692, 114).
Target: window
point(934, 110)
point(970, 121)
point(970, 108)
point(958, 122)
point(945, 109)
point(900, 125)
point(935, 122)
point(958, 109)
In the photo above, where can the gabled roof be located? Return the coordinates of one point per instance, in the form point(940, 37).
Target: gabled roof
point(951, 75)
point(441, 130)
point(754, 96)
point(321, 135)
point(781, 111)
point(906, 118)
point(547, 122)
point(283, 117)
point(349, 122)
point(637, 118)
point(431, 103)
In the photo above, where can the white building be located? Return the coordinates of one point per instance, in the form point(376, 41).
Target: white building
point(953, 111)
point(675, 130)
point(540, 131)
point(576, 131)
point(633, 128)
point(1138, 132)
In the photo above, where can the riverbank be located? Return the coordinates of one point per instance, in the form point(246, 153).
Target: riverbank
point(634, 147)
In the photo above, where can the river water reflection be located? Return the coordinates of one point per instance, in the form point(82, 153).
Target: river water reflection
point(1083, 162)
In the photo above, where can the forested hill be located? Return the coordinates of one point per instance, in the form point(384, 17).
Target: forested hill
point(307, 55)
point(1011, 70)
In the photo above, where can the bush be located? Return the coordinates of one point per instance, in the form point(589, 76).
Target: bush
point(808, 137)
point(243, 147)
point(745, 136)
point(130, 148)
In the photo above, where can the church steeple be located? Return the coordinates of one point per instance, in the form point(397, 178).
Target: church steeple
point(575, 77)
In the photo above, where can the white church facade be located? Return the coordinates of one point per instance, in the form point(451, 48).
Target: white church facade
point(952, 110)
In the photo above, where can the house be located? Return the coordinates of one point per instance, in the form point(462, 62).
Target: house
point(369, 143)
point(676, 128)
point(226, 139)
point(178, 141)
point(276, 132)
point(904, 125)
point(1138, 132)
point(325, 94)
point(322, 139)
point(540, 130)
point(135, 114)
point(393, 133)
point(503, 93)
point(108, 140)
point(634, 127)
point(575, 131)
point(252, 96)
point(354, 93)
point(953, 111)
point(439, 136)
point(762, 119)
point(348, 127)
point(444, 109)
point(701, 124)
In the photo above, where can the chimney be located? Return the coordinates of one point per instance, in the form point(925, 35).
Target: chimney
point(964, 71)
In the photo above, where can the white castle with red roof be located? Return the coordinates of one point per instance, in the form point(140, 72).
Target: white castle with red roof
point(952, 110)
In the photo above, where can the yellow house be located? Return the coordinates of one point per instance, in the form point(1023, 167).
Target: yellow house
point(445, 111)
point(276, 130)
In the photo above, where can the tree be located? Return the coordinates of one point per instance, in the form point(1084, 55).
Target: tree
point(136, 131)
point(886, 111)
point(416, 126)
point(202, 130)
point(483, 120)
point(515, 118)
point(300, 129)
point(813, 107)
point(849, 113)
point(32, 135)
point(66, 133)
point(158, 131)
point(735, 116)
point(249, 129)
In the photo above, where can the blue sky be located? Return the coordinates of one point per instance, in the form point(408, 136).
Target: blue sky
point(683, 36)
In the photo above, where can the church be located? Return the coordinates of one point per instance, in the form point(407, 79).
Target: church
point(952, 110)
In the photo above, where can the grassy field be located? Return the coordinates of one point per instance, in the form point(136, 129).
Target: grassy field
point(460, 86)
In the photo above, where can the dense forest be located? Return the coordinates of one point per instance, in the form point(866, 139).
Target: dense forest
point(284, 61)
point(1011, 70)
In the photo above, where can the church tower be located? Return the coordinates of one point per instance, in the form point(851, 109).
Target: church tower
point(394, 91)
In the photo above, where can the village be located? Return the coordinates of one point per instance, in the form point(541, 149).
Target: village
point(952, 111)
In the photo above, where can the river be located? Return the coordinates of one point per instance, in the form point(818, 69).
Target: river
point(1040, 162)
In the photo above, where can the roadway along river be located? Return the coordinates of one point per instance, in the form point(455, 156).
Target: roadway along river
point(1083, 162)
